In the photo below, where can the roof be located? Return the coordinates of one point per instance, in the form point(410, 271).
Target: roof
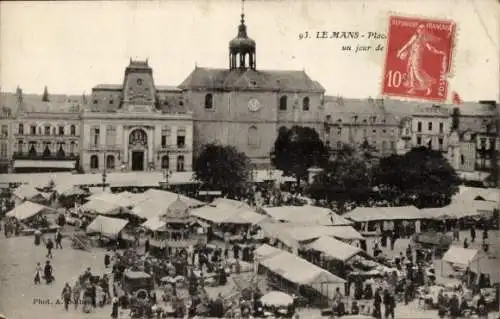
point(26, 192)
point(460, 256)
point(306, 215)
point(115, 199)
point(336, 104)
point(176, 211)
point(154, 223)
point(298, 270)
point(291, 234)
point(363, 214)
point(248, 79)
point(27, 210)
point(33, 103)
point(334, 248)
point(153, 202)
point(266, 251)
point(226, 202)
point(102, 207)
point(107, 226)
point(114, 87)
point(475, 109)
point(468, 194)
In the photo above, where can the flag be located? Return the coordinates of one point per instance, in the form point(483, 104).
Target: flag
point(456, 98)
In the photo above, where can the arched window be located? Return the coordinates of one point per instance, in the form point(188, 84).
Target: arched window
point(21, 129)
point(209, 101)
point(72, 130)
point(110, 162)
point(253, 137)
point(165, 162)
point(94, 162)
point(180, 163)
point(283, 103)
point(46, 151)
point(305, 104)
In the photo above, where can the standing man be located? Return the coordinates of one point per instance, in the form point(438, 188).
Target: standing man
point(66, 296)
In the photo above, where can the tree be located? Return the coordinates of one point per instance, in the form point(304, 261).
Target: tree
point(345, 178)
point(367, 150)
point(45, 97)
point(222, 168)
point(421, 177)
point(298, 149)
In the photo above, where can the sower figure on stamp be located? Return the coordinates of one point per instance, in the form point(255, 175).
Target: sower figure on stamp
point(418, 79)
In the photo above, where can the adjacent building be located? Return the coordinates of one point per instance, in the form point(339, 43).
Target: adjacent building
point(136, 126)
point(431, 127)
point(356, 122)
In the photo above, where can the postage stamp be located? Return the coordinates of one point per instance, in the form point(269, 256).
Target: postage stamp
point(419, 58)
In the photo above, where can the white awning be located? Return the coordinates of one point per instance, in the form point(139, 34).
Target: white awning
point(44, 164)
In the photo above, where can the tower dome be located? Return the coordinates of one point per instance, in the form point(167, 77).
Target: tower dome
point(242, 47)
point(178, 211)
point(242, 43)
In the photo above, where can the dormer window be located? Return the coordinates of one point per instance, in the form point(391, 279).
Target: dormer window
point(95, 101)
point(209, 101)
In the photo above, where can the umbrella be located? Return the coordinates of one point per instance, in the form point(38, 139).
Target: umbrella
point(276, 298)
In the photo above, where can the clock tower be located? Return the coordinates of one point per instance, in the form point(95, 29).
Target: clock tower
point(138, 87)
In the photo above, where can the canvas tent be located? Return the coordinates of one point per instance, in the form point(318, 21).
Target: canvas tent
point(334, 248)
point(367, 214)
point(303, 273)
point(115, 199)
point(27, 192)
point(101, 207)
point(306, 215)
point(27, 210)
point(106, 226)
point(228, 215)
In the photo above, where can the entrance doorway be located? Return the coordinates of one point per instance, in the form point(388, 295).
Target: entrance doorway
point(138, 160)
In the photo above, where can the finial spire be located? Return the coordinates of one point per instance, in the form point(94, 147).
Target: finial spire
point(242, 11)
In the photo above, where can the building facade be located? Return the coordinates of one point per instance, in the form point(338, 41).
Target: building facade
point(136, 126)
point(355, 122)
point(431, 126)
point(245, 107)
point(5, 139)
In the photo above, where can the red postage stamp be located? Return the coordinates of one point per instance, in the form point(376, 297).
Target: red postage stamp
point(418, 58)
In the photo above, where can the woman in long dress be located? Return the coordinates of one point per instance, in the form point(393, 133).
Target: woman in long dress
point(418, 79)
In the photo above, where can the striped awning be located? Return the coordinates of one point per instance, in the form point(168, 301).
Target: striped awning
point(44, 164)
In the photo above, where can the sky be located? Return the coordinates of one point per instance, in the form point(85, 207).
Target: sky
point(72, 46)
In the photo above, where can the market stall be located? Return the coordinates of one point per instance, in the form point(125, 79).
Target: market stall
point(106, 226)
point(288, 272)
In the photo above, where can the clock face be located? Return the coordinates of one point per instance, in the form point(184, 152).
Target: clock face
point(139, 81)
point(254, 105)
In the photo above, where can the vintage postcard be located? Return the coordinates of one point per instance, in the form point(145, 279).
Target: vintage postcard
point(250, 159)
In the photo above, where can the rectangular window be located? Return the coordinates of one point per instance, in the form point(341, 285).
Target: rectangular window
point(61, 130)
point(33, 130)
point(441, 127)
point(47, 130)
point(5, 130)
point(440, 141)
point(21, 129)
point(339, 131)
point(419, 140)
point(429, 126)
point(181, 141)
point(3, 150)
point(165, 136)
point(110, 135)
point(96, 136)
point(419, 127)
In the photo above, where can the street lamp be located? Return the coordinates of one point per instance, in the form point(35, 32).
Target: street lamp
point(104, 179)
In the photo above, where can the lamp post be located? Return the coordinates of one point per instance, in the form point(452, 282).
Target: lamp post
point(104, 175)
